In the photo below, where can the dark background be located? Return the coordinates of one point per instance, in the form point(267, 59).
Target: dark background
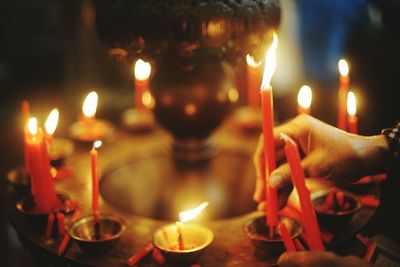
point(50, 54)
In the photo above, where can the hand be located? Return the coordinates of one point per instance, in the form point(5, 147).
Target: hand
point(327, 152)
point(319, 258)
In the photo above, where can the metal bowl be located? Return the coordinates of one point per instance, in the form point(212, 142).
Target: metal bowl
point(257, 230)
point(333, 222)
point(195, 237)
point(97, 236)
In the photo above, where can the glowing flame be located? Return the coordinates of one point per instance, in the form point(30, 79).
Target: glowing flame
point(251, 61)
point(90, 104)
point(304, 97)
point(142, 70)
point(270, 64)
point(188, 215)
point(32, 126)
point(97, 144)
point(351, 104)
point(148, 100)
point(51, 122)
point(343, 67)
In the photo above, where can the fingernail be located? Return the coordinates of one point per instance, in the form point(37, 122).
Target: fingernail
point(275, 180)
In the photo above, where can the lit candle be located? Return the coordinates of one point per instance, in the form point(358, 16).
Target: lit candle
point(268, 127)
point(39, 165)
point(309, 218)
point(184, 217)
point(89, 107)
point(95, 180)
point(304, 99)
point(142, 70)
point(352, 120)
point(342, 94)
point(50, 125)
point(254, 72)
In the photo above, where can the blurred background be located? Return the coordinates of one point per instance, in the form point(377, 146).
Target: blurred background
point(50, 54)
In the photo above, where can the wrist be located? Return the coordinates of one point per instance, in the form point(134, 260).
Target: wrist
point(377, 157)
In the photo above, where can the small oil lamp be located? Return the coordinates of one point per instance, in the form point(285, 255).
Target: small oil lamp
point(140, 118)
point(88, 128)
point(59, 148)
point(183, 241)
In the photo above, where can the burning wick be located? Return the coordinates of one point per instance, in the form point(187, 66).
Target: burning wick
point(184, 217)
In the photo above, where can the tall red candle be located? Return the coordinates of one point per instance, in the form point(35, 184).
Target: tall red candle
point(287, 239)
point(309, 218)
point(268, 128)
point(142, 72)
point(95, 180)
point(352, 120)
point(39, 165)
point(342, 94)
point(254, 72)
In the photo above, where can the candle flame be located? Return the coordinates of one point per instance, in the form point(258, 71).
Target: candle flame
point(90, 104)
point(142, 70)
point(343, 67)
point(304, 98)
point(186, 216)
point(32, 126)
point(351, 104)
point(270, 63)
point(252, 62)
point(97, 144)
point(51, 122)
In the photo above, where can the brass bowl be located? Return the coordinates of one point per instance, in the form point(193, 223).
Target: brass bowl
point(257, 229)
point(97, 236)
point(334, 221)
point(195, 237)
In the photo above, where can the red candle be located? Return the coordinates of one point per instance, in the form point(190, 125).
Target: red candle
point(65, 241)
point(287, 240)
point(49, 227)
point(268, 128)
point(61, 224)
point(309, 218)
point(95, 180)
point(142, 72)
point(253, 81)
point(352, 120)
point(39, 165)
point(304, 99)
point(342, 94)
point(140, 254)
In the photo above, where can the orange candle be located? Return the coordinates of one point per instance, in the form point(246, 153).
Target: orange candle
point(352, 120)
point(95, 180)
point(309, 218)
point(268, 128)
point(304, 99)
point(342, 94)
point(287, 240)
point(142, 70)
point(254, 71)
point(39, 165)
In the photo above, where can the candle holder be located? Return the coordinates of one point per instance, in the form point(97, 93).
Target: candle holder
point(97, 236)
point(335, 218)
point(257, 230)
point(20, 180)
point(59, 149)
point(248, 118)
point(27, 207)
point(138, 120)
point(196, 239)
point(91, 130)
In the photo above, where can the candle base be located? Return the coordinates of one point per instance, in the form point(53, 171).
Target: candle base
point(96, 236)
point(138, 120)
point(59, 149)
point(20, 180)
point(258, 233)
point(196, 239)
point(90, 131)
point(248, 118)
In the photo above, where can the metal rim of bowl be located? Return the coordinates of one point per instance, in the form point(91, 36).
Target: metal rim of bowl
point(88, 218)
point(20, 204)
point(339, 213)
